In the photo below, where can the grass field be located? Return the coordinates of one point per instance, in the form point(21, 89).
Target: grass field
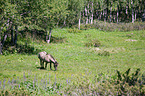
point(125, 49)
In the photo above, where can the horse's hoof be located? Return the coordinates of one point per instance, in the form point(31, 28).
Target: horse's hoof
point(42, 68)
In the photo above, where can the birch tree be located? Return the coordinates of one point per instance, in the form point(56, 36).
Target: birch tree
point(132, 9)
point(50, 14)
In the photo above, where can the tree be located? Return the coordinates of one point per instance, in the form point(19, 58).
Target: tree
point(9, 19)
point(50, 14)
point(132, 8)
point(80, 7)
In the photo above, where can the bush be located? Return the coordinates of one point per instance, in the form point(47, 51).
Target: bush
point(86, 26)
point(73, 30)
point(104, 53)
point(123, 85)
point(132, 83)
point(94, 43)
point(108, 27)
point(58, 39)
point(16, 92)
point(123, 27)
point(21, 48)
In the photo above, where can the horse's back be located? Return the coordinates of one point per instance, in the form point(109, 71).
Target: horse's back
point(49, 58)
point(41, 55)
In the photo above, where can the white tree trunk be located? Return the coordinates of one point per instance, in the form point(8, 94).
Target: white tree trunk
point(100, 17)
point(88, 19)
point(0, 44)
point(126, 11)
point(92, 14)
point(48, 41)
point(79, 21)
point(132, 11)
point(135, 15)
point(117, 13)
point(86, 14)
point(114, 16)
point(105, 15)
point(111, 12)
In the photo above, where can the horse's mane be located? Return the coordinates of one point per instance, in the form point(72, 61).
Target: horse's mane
point(51, 56)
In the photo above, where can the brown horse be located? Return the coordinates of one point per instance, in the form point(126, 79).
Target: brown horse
point(44, 57)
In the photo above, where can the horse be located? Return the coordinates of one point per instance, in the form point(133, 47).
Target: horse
point(47, 58)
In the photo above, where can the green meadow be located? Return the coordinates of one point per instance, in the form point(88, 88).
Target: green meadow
point(77, 62)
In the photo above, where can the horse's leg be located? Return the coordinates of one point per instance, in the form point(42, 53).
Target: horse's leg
point(46, 65)
point(50, 66)
point(41, 63)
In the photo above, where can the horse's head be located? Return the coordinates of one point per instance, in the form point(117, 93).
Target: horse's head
point(55, 65)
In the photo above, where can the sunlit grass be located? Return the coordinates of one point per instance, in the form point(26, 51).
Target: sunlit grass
point(76, 60)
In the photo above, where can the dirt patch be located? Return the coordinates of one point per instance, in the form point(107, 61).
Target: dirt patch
point(130, 40)
point(110, 50)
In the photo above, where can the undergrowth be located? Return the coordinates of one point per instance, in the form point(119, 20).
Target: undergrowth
point(109, 27)
point(119, 84)
point(94, 43)
point(82, 70)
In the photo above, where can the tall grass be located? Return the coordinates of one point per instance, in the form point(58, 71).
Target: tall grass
point(81, 68)
point(100, 84)
point(109, 27)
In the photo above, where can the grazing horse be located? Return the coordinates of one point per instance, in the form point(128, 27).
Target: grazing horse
point(50, 59)
point(44, 57)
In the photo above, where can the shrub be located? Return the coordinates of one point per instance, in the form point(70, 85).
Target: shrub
point(109, 87)
point(104, 26)
point(142, 36)
point(86, 26)
point(121, 84)
point(129, 35)
point(132, 83)
point(73, 30)
point(58, 39)
point(16, 92)
point(104, 53)
point(108, 27)
point(94, 43)
point(21, 48)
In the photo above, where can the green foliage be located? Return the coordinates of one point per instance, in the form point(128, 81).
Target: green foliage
point(125, 78)
point(15, 14)
point(104, 26)
point(58, 40)
point(21, 92)
point(94, 43)
point(74, 30)
point(108, 87)
point(80, 71)
point(100, 84)
point(21, 48)
point(125, 82)
point(108, 27)
point(86, 26)
point(30, 87)
point(50, 14)
point(104, 53)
